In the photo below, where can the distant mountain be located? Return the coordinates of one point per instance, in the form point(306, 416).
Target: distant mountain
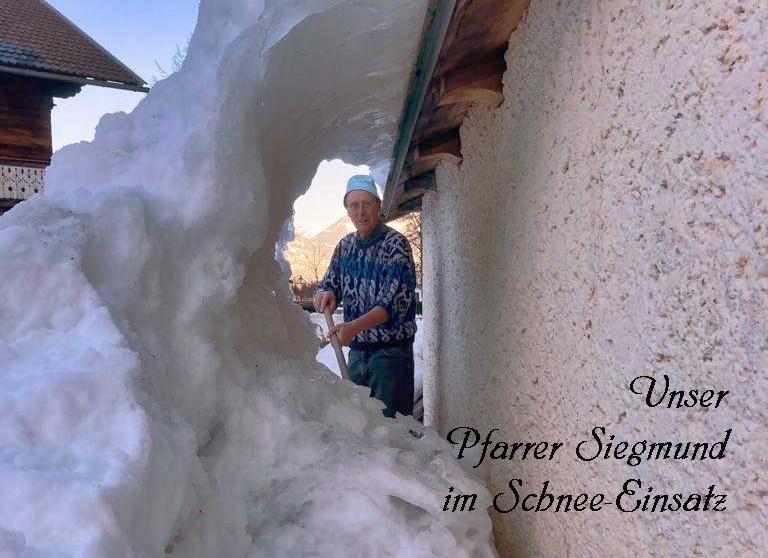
point(309, 256)
point(334, 232)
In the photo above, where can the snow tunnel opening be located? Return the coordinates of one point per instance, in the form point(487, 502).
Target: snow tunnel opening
point(318, 222)
point(294, 118)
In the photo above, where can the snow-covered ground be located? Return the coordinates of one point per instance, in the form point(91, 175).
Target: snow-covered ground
point(160, 393)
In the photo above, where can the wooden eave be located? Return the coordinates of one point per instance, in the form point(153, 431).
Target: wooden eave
point(468, 71)
point(69, 83)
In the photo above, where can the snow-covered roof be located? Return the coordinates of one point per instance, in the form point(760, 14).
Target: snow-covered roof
point(36, 39)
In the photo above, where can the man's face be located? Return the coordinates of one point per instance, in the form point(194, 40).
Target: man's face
point(363, 210)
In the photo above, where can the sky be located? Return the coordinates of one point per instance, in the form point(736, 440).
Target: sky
point(322, 204)
point(138, 33)
point(142, 34)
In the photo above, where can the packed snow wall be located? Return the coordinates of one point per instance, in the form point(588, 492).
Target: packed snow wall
point(159, 392)
point(609, 221)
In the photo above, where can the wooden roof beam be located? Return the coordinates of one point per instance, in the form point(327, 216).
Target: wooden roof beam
point(410, 205)
point(421, 183)
point(443, 147)
point(477, 82)
point(416, 186)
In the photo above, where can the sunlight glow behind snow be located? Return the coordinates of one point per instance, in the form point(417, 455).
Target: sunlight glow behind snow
point(322, 203)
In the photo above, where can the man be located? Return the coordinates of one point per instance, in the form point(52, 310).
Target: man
point(373, 274)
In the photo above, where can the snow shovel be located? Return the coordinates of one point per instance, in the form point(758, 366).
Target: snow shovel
point(336, 345)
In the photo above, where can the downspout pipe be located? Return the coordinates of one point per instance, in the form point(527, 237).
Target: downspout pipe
point(425, 66)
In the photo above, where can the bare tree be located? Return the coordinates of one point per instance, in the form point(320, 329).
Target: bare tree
point(413, 234)
point(315, 257)
point(176, 62)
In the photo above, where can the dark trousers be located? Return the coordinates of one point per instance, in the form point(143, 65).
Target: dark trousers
point(389, 374)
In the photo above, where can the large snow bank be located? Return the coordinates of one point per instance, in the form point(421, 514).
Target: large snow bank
point(159, 396)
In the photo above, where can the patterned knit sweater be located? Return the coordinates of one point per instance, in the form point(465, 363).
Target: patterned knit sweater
point(375, 271)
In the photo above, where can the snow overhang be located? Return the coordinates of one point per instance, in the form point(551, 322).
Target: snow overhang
point(334, 86)
point(169, 382)
point(462, 58)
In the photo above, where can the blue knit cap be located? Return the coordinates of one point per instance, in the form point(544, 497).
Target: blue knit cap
point(361, 182)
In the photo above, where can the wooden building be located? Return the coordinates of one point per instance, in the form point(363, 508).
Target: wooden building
point(43, 56)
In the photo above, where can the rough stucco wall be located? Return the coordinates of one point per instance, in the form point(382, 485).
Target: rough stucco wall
point(609, 220)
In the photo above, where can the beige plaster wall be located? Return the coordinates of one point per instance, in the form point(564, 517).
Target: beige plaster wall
point(608, 221)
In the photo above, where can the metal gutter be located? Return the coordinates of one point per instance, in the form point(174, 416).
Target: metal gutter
point(72, 79)
point(425, 65)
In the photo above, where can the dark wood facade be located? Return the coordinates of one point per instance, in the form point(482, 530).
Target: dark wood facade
point(25, 133)
point(43, 56)
point(25, 119)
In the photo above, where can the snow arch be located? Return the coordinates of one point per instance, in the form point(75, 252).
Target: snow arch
point(154, 404)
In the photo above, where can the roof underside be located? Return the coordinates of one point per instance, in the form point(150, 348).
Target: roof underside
point(468, 71)
point(34, 37)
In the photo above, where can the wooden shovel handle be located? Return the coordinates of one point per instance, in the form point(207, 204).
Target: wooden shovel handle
point(336, 345)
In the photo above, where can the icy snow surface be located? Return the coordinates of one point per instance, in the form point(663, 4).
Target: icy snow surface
point(159, 397)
